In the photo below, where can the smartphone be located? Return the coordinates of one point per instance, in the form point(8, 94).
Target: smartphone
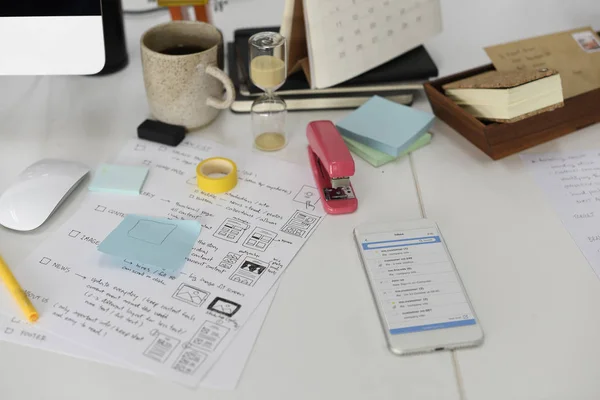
point(420, 298)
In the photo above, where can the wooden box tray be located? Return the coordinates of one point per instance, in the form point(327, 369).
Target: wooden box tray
point(499, 140)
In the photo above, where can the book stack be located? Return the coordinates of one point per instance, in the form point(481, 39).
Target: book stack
point(381, 131)
point(341, 53)
point(396, 80)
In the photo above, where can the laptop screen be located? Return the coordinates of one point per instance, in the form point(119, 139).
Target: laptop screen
point(49, 8)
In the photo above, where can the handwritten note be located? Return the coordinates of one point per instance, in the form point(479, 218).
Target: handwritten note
point(176, 327)
point(572, 183)
point(578, 67)
point(225, 374)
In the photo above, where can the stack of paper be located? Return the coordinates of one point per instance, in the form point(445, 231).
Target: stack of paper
point(508, 96)
point(381, 131)
point(119, 306)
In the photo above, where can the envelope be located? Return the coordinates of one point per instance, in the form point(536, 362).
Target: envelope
point(575, 54)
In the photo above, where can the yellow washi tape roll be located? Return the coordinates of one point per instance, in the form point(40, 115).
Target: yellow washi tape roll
point(216, 175)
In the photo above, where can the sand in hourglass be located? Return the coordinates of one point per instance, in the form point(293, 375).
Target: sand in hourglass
point(267, 71)
point(270, 141)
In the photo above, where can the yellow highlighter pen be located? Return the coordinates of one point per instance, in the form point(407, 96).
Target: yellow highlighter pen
point(17, 292)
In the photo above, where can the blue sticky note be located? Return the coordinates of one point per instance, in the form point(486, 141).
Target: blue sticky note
point(385, 125)
point(121, 179)
point(159, 242)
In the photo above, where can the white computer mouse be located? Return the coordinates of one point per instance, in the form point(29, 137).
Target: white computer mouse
point(37, 193)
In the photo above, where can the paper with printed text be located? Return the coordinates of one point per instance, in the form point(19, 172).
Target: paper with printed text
point(174, 326)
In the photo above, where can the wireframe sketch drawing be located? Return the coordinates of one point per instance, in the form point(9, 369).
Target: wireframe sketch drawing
point(260, 239)
point(248, 272)
point(224, 306)
point(229, 260)
point(308, 196)
point(189, 360)
point(300, 224)
point(191, 294)
point(161, 347)
point(209, 336)
point(231, 230)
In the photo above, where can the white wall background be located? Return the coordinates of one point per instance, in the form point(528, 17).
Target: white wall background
point(469, 25)
point(235, 14)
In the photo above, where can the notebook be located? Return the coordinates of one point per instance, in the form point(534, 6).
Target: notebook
point(508, 96)
point(345, 38)
point(385, 126)
point(405, 72)
point(309, 100)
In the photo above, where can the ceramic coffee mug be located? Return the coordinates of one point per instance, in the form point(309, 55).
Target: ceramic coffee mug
point(184, 86)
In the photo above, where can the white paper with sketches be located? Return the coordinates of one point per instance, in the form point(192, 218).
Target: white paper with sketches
point(224, 375)
point(173, 326)
point(571, 180)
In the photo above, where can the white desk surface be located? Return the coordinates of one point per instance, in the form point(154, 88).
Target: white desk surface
point(535, 294)
point(532, 289)
point(322, 337)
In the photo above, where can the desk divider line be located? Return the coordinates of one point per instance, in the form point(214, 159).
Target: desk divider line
point(417, 186)
point(458, 375)
point(455, 366)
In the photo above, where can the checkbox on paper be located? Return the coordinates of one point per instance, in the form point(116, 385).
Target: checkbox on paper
point(74, 234)
point(101, 208)
point(45, 261)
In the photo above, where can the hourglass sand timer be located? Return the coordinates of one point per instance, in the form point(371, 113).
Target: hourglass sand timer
point(268, 71)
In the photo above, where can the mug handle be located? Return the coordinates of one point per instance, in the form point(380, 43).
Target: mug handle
point(225, 80)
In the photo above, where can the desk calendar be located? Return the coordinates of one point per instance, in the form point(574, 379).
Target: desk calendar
point(348, 37)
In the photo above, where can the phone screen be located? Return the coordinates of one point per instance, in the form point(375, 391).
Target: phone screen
point(415, 281)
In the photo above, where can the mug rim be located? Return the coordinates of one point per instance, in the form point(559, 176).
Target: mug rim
point(170, 56)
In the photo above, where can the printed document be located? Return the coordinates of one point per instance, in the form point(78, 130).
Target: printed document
point(173, 325)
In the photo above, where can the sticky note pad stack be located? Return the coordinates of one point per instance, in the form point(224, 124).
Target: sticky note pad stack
point(155, 241)
point(377, 158)
point(383, 125)
point(120, 179)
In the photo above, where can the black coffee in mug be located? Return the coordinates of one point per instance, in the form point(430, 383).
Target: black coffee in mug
point(183, 50)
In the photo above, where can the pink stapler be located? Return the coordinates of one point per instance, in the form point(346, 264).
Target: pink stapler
point(332, 167)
